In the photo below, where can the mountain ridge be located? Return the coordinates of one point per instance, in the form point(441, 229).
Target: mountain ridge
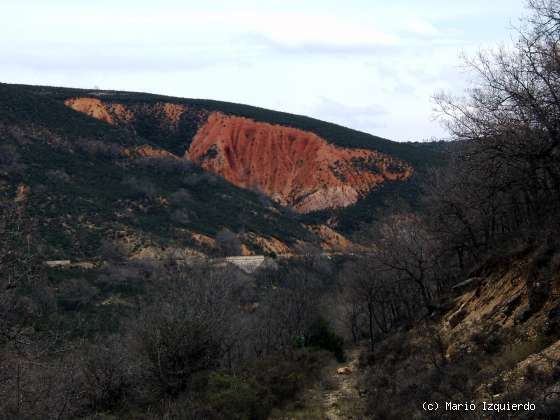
point(430, 152)
point(294, 167)
point(126, 178)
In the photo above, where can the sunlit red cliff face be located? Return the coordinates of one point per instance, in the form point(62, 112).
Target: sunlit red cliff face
point(167, 114)
point(294, 167)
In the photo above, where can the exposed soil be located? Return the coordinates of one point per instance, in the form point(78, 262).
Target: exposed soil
point(334, 397)
point(294, 167)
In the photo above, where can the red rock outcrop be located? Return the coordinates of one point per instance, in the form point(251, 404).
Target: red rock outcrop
point(168, 114)
point(148, 151)
point(294, 167)
point(91, 106)
point(331, 240)
point(267, 245)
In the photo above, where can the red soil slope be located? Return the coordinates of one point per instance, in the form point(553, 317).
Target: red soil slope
point(168, 114)
point(294, 167)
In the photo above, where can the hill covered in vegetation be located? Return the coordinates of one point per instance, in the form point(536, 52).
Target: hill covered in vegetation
point(133, 157)
point(84, 182)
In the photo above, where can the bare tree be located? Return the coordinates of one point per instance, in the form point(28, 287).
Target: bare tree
point(229, 242)
point(511, 122)
point(286, 313)
point(406, 250)
point(369, 292)
point(351, 312)
point(186, 329)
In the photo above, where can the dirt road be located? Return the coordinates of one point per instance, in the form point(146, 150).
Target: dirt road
point(335, 397)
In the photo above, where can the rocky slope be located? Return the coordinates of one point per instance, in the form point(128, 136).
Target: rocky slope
point(294, 167)
point(86, 184)
point(169, 174)
point(494, 339)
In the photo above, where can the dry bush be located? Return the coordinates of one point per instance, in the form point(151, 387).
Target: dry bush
point(142, 187)
point(108, 374)
point(180, 198)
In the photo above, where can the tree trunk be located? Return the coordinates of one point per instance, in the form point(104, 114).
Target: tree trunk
point(370, 314)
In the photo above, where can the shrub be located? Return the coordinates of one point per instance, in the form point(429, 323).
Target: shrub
point(175, 348)
point(279, 379)
point(180, 197)
point(124, 278)
point(10, 160)
point(321, 336)
point(75, 294)
point(99, 149)
point(107, 374)
point(181, 217)
point(58, 175)
point(233, 397)
point(143, 188)
point(490, 343)
point(229, 242)
point(112, 251)
point(196, 179)
point(164, 165)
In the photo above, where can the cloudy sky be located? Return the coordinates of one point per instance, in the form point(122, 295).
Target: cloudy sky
point(372, 65)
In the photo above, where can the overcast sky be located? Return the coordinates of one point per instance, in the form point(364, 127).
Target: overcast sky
point(372, 65)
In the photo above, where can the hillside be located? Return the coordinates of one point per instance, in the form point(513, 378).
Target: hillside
point(143, 165)
point(294, 167)
point(418, 154)
point(178, 125)
point(494, 340)
point(84, 182)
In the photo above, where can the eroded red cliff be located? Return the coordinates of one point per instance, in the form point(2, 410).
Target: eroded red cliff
point(294, 167)
point(115, 113)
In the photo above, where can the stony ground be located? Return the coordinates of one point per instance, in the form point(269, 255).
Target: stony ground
point(334, 397)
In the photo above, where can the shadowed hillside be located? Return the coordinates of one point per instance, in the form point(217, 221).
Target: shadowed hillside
point(340, 174)
point(85, 181)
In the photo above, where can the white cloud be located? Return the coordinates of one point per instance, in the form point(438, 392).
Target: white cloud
point(336, 61)
point(298, 29)
point(420, 27)
point(361, 117)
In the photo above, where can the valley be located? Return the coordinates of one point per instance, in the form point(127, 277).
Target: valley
point(170, 258)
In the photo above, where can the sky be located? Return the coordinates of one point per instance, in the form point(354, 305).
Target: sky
point(372, 65)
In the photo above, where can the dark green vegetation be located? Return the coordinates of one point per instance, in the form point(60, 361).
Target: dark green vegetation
point(144, 339)
point(421, 156)
point(82, 189)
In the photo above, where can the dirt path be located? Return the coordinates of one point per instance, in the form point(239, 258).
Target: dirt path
point(344, 401)
point(334, 397)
